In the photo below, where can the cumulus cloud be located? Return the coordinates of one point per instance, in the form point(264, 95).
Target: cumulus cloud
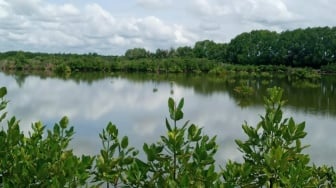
point(3, 9)
point(103, 27)
point(265, 12)
point(38, 24)
point(259, 11)
point(211, 7)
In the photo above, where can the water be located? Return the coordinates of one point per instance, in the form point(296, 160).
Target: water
point(137, 104)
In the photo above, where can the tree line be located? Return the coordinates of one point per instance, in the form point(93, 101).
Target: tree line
point(310, 47)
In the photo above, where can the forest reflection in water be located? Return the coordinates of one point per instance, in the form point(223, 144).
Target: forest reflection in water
point(137, 104)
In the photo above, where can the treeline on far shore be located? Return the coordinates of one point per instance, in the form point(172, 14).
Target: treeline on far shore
point(312, 48)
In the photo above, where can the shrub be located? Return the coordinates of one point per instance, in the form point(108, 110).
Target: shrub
point(182, 158)
point(273, 152)
point(38, 161)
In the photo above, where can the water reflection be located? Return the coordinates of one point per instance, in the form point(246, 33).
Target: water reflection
point(136, 103)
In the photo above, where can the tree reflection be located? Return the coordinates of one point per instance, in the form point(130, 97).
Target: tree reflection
point(312, 96)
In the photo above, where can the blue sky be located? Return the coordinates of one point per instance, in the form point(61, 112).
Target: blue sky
point(113, 26)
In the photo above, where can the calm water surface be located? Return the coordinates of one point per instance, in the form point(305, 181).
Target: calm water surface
point(137, 104)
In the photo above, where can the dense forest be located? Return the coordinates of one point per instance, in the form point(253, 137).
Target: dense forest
point(311, 47)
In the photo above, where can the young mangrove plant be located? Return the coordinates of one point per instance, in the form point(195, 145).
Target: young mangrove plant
point(273, 153)
point(182, 158)
point(113, 163)
point(39, 159)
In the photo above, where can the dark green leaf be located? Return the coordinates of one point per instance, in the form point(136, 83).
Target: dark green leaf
point(171, 104)
point(168, 125)
point(3, 92)
point(178, 115)
point(180, 105)
point(64, 122)
point(124, 142)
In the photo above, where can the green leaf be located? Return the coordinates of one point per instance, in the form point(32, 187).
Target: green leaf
point(64, 122)
point(180, 105)
point(301, 127)
point(113, 147)
point(150, 154)
point(3, 92)
point(128, 160)
point(168, 125)
point(104, 154)
point(178, 115)
point(243, 147)
point(124, 142)
point(191, 131)
point(291, 126)
point(171, 104)
point(248, 130)
point(277, 116)
point(3, 116)
point(57, 130)
point(165, 140)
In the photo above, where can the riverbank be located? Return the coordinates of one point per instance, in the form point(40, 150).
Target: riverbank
point(65, 64)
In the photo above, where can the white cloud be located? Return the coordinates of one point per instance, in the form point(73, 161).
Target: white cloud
point(118, 40)
point(42, 25)
point(24, 7)
point(212, 7)
point(260, 11)
point(98, 22)
point(105, 27)
point(264, 11)
point(153, 4)
point(3, 9)
point(152, 27)
point(184, 37)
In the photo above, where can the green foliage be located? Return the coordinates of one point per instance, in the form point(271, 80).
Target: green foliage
point(63, 69)
point(136, 53)
point(310, 47)
point(273, 151)
point(115, 158)
point(184, 157)
point(329, 68)
point(37, 160)
point(244, 90)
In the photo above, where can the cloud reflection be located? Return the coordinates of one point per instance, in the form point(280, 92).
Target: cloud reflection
point(139, 113)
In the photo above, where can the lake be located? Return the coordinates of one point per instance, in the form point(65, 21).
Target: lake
point(137, 104)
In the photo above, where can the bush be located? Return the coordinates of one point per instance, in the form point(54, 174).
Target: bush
point(38, 161)
point(63, 69)
point(182, 158)
point(330, 68)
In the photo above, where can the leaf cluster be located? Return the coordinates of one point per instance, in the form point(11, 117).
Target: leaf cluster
point(182, 158)
point(273, 152)
point(40, 160)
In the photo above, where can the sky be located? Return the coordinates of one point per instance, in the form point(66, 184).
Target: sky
point(110, 27)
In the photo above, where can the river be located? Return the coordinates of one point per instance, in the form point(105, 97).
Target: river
point(137, 104)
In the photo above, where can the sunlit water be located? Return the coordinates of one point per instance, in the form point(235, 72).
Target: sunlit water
point(137, 104)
